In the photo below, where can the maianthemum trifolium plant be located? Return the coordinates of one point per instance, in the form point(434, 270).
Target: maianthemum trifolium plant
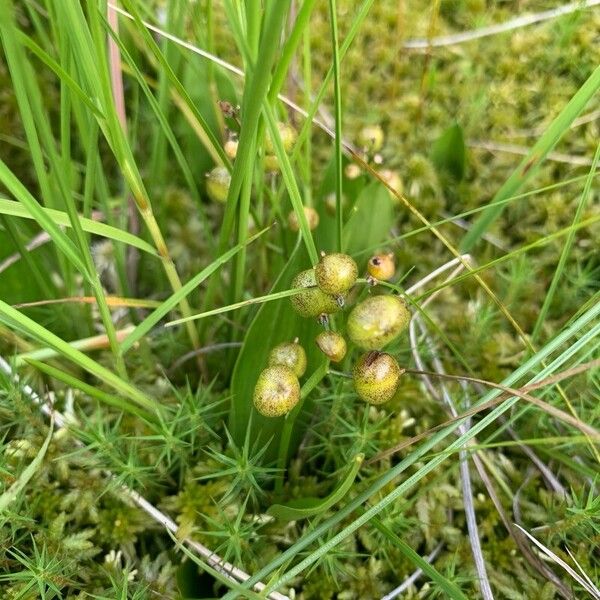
point(299, 299)
point(372, 324)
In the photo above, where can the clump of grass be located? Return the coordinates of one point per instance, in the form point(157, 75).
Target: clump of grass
point(133, 462)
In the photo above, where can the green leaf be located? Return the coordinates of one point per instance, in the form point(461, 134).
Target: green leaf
point(274, 322)
point(449, 152)
point(58, 217)
point(302, 508)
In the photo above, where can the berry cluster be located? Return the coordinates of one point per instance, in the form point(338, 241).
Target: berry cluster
point(371, 325)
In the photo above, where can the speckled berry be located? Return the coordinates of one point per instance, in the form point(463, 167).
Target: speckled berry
point(291, 355)
point(382, 266)
point(277, 391)
point(217, 184)
point(312, 216)
point(336, 273)
point(288, 137)
point(370, 138)
point(376, 376)
point(312, 302)
point(332, 345)
point(376, 321)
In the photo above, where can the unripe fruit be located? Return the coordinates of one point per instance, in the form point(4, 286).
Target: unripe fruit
point(288, 137)
point(277, 391)
point(312, 302)
point(352, 171)
point(382, 266)
point(377, 321)
point(231, 147)
point(217, 184)
point(370, 138)
point(393, 180)
point(376, 377)
point(291, 355)
point(332, 345)
point(312, 216)
point(336, 273)
point(271, 163)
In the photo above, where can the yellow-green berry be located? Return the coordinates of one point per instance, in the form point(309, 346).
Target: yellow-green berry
point(376, 321)
point(312, 216)
point(277, 391)
point(217, 184)
point(376, 376)
point(370, 138)
point(332, 345)
point(393, 180)
point(382, 266)
point(352, 171)
point(288, 137)
point(312, 302)
point(291, 355)
point(336, 273)
point(271, 163)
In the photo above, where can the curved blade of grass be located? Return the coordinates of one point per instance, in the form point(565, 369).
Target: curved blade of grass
point(236, 306)
point(112, 301)
point(290, 182)
point(530, 164)
point(302, 508)
point(447, 586)
point(92, 391)
point(213, 146)
point(19, 191)
point(87, 344)
point(12, 493)
point(60, 218)
point(566, 247)
point(170, 303)
point(339, 217)
point(17, 320)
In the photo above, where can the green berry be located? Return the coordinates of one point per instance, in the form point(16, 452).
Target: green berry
point(336, 273)
point(217, 184)
point(376, 376)
point(277, 391)
point(312, 216)
point(288, 137)
point(291, 355)
point(377, 321)
point(370, 138)
point(271, 163)
point(312, 302)
point(332, 345)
